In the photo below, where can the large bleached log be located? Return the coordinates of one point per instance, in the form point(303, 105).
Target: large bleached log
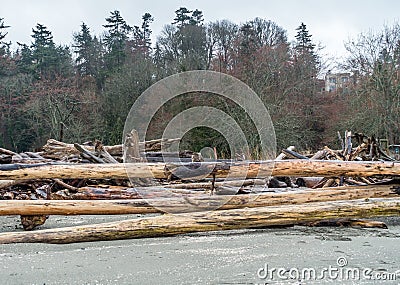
point(193, 202)
point(196, 170)
point(168, 225)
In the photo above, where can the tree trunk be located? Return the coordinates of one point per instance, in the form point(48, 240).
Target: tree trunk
point(169, 225)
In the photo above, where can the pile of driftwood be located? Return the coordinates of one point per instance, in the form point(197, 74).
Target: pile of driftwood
point(356, 147)
point(76, 179)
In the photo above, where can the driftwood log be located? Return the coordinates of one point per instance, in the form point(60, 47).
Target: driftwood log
point(57, 150)
point(196, 170)
point(169, 225)
point(179, 204)
point(121, 193)
point(208, 185)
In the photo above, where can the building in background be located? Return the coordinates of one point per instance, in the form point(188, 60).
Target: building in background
point(337, 82)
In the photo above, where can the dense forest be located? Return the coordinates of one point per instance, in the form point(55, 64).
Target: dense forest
point(84, 91)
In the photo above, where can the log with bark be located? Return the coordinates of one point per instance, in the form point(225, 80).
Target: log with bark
point(169, 225)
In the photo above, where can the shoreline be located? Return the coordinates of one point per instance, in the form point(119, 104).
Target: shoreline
point(228, 257)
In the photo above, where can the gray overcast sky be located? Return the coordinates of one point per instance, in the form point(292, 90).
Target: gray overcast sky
point(329, 21)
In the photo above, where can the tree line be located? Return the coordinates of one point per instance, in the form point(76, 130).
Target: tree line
point(84, 91)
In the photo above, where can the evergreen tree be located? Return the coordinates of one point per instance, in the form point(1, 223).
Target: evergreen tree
point(24, 59)
point(142, 40)
point(303, 40)
point(188, 43)
point(43, 57)
point(63, 64)
point(146, 31)
point(4, 47)
point(306, 68)
point(3, 33)
point(304, 49)
point(83, 46)
point(182, 17)
point(43, 48)
point(248, 40)
point(196, 18)
point(115, 39)
point(42, 37)
point(88, 51)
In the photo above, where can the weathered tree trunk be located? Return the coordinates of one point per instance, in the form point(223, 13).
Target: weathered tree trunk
point(179, 204)
point(255, 169)
point(168, 225)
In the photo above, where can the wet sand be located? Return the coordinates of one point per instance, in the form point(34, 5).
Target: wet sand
point(230, 257)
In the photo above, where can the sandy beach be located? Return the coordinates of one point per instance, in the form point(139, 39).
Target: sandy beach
point(231, 257)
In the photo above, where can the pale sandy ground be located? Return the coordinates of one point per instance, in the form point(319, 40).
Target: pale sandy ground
point(231, 257)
